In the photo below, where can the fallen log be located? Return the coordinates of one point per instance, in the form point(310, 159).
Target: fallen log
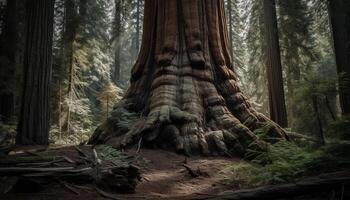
point(326, 186)
point(104, 167)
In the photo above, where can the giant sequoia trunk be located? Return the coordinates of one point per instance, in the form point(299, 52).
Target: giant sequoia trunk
point(33, 127)
point(184, 94)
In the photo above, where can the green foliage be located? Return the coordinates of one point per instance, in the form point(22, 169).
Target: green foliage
point(108, 153)
point(7, 134)
point(83, 57)
point(340, 128)
point(109, 95)
point(285, 162)
point(254, 80)
point(308, 62)
point(235, 26)
point(321, 88)
point(57, 137)
point(122, 118)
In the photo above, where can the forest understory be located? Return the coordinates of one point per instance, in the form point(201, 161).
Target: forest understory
point(163, 175)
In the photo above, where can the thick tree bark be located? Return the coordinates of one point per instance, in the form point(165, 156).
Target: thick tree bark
point(340, 18)
point(8, 41)
point(33, 126)
point(183, 88)
point(278, 111)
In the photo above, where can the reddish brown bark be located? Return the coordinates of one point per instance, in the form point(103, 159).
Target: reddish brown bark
point(278, 112)
point(183, 86)
point(33, 123)
point(339, 11)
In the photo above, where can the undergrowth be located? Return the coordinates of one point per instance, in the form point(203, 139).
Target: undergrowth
point(111, 154)
point(7, 133)
point(288, 161)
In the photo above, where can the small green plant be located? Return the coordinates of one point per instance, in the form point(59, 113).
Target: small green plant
point(340, 128)
point(7, 134)
point(286, 161)
point(324, 89)
point(111, 154)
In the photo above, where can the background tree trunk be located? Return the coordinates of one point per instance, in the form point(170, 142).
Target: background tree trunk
point(340, 18)
point(69, 37)
point(33, 127)
point(230, 25)
point(138, 25)
point(118, 32)
point(183, 87)
point(278, 111)
point(8, 50)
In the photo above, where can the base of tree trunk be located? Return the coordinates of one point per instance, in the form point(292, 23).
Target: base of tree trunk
point(184, 94)
point(126, 129)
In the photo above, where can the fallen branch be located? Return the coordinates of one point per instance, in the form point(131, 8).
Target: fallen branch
point(70, 188)
point(106, 194)
point(69, 160)
point(34, 169)
point(97, 160)
point(40, 164)
point(192, 172)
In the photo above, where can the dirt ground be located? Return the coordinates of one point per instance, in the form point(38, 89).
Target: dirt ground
point(164, 177)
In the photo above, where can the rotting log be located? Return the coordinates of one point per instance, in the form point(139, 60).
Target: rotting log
point(109, 170)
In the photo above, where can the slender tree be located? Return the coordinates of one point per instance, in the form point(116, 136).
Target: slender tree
point(254, 72)
point(138, 16)
point(184, 94)
point(230, 23)
point(340, 18)
point(274, 68)
point(33, 126)
point(117, 35)
point(70, 34)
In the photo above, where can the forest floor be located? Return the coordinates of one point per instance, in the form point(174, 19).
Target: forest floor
point(165, 175)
